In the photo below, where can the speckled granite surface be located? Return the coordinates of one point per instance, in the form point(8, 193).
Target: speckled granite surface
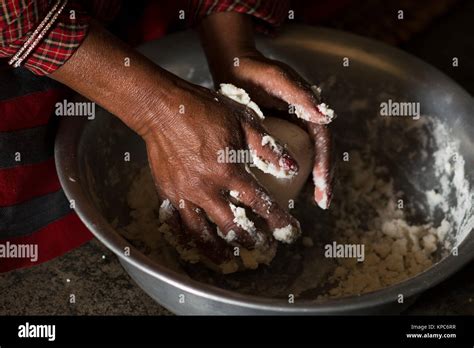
point(102, 287)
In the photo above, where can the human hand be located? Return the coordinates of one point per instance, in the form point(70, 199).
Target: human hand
point(275, 85)
point(184, 127)
point(228, 41)
point(183, 151)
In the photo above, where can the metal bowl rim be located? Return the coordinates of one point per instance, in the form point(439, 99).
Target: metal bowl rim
point(66, 164)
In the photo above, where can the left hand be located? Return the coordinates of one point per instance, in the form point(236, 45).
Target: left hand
point(275, 85)
point(228, 41)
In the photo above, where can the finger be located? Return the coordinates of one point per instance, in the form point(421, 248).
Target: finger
point(308, 105)
point(238, 95)
point(323, 165)
point(268, 154)
point(305, 103)
point(285, 228)
point(203, 234)
point(263, 98)
point(171, 228)
point(235, 227)
point(304, 99)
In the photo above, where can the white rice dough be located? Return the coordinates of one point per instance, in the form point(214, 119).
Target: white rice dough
point(300, 147)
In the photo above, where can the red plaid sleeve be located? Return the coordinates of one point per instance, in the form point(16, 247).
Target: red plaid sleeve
point(19, 18)
point(272, 12)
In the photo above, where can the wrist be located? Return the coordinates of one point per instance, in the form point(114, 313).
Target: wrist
point(157, 106)
point(141, 93)
point(226, 38)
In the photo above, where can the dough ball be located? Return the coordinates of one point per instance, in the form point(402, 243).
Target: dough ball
point(300, 146)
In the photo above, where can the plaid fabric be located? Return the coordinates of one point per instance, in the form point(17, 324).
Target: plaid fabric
point(33, 208)
point(18, 18)
point(271, 12)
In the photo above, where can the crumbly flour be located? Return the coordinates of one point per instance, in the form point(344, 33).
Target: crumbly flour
point(370, 210)
point(408, 214)
point(395, 249)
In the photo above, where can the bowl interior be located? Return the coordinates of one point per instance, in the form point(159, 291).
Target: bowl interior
point(112, 159)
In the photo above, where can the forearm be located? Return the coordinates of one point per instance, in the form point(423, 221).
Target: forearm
point(139, 94)
point(226, 36)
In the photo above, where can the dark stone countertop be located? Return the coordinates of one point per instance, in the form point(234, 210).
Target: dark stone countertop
point(91, 272)
point(101, 287)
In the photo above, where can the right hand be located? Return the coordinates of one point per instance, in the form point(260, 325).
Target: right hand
point(183, 155)
point(182, 148)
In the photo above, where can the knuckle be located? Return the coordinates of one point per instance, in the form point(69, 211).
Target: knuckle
point(229, 225)
point(255, 202)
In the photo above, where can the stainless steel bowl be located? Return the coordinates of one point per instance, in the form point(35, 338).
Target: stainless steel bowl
point(87, 150)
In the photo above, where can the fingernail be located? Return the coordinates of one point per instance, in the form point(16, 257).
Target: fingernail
point(288, 163)
point(323, 202)
point(322, 198)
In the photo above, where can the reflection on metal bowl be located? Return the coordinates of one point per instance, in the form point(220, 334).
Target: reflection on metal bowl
point(91, 152)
